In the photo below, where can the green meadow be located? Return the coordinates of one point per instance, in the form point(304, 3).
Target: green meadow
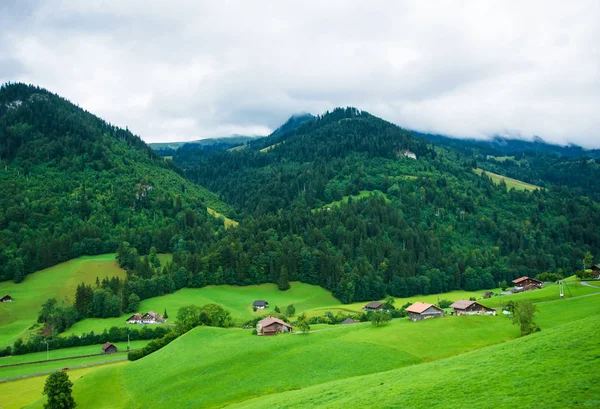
point(510, 182)
point(215, 367)
point(507, 376)
point(65, 353)
point(17, 394)
point(238, 300)
point(59, 282)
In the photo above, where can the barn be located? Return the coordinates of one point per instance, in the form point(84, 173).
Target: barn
point(464, 307)
point(373, 306)
point(109, 348)
point(6, 298)
point(420, 311)
point(272, 326)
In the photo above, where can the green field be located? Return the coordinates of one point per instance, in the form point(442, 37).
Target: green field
point(65, 353)
point(226, 220)
point(510, 182)
point(238, 300)
point(508, 375)
point(214, 367)
point(59, 282)
point(362, 194)
point(18, 394)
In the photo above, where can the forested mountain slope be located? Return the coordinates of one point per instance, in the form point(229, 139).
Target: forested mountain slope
point(421, 226)
point(73, 184)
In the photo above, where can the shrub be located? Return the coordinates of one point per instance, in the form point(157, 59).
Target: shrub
point(445, 303)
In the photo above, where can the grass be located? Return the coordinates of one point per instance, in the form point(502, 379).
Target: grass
point(212, 367)
point(548, 293)
point(226, 220)
point(362, 194)
point(238, 300)
point(59, 282)
point(510, 182)
point(434, 363)
point(501, 376)
point(65, 353)
point(502, 158)
point(268, 148)
point(22, 370)
point(17, 394)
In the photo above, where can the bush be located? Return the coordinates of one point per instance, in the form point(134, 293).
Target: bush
point(445, 303)
point(551, 277)
point(254, 332)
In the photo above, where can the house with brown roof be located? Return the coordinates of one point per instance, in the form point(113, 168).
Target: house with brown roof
point(349, 321)
point(595, 270)
point(526, 283)
point(373, 306)
point(421, 311)
point(109, 348)
point(134, 319)
point(464, 307)
point(6, 298)
point(272, 326)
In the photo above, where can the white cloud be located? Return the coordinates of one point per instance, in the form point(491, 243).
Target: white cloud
point(183, 70)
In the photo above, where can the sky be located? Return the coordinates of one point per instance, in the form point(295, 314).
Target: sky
point(182, 70)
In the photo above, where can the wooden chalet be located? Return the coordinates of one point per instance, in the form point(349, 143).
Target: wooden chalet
point(420, 311)
point(527, 283)
point(6, 298)
point(488, 294)
point(134, 319)
point(152, 318)
point(109, 348)
point(464, 307)
point(595, 270)
point(272, 326)
point(349, 321)
point(373, 306)
point(260, 304)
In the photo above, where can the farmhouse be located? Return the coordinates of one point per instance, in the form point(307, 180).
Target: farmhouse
point(488, 294)
point(135, 319)
point(349, 321)
point(464, 307)
point(373, 306)
point(421, 311)
point(272, 326)
point(6, 298)
point(595, 270)
point(109, 348)
point(260, 304)
point(152, 318)
point(526, 284)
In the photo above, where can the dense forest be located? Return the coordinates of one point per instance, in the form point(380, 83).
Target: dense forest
point(336, 200)
point(73, 185)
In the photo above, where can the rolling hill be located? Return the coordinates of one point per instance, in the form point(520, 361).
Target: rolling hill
point(75, 185)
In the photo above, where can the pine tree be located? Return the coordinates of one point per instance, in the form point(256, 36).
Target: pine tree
point(284, 280)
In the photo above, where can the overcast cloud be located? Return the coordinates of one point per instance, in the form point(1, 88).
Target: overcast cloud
point(184, 70)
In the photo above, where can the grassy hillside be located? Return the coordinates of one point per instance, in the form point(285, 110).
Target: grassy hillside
point(222, 364)
point(59, 282)
point(238, 300)
point(231, 365)
point(501, 376)
point(17, 394)
point(510, 182)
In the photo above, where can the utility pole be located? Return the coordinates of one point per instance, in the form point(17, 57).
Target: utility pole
point(127, 341)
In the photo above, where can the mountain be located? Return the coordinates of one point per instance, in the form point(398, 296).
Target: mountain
point(74, 185)
point(225, 142)
point(501, 146)
point(364, 208)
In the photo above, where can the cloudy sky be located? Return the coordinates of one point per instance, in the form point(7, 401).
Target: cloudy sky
point(184, 70)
